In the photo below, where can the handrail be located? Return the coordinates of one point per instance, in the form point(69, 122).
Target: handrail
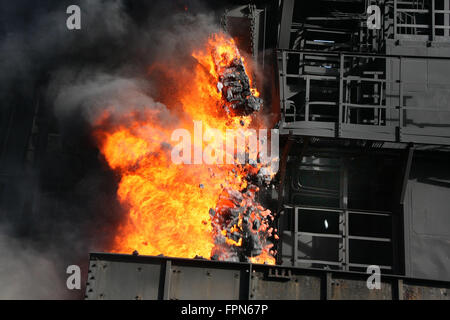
point(345, 75)
point(361, 54)
point(343, 236)
point(364, 79)
point(413, 12)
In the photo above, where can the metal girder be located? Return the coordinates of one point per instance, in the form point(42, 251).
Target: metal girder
point(285, 24)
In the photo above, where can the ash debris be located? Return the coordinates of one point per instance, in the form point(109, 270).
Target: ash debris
point(234, 84)
point(241, 226)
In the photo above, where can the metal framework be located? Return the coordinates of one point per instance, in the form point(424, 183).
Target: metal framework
point(422, 19)
point(418, 20)
point(322, 223)
point(347, 79)
point(344, 237)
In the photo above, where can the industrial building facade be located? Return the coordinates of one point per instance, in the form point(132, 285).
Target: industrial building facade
point(364, 120)
point(368, 112)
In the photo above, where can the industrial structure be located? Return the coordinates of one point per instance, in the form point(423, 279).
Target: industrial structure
point(364, 179)
point(368, 116)
point(362, 103)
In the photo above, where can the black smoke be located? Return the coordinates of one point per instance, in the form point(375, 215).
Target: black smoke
point(57, 196)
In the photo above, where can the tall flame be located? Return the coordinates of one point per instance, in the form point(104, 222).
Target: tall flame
point(169, 204)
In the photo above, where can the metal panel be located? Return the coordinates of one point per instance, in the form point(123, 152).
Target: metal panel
point(354, 131)
point(355, 289)
point(195, 283)
point(414, 292)
point(426, 216)
point(290, 287)
point(318, 129)
point(117, 276)
point(426, 135)
point(137, 280)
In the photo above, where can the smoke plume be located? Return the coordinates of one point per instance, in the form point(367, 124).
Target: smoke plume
point(61, 205)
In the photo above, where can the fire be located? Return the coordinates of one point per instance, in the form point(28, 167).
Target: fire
point(181, 210)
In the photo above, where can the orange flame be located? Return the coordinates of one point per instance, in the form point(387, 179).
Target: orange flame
point(168, 204)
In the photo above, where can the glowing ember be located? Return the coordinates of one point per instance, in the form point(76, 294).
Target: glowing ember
point(190, 210)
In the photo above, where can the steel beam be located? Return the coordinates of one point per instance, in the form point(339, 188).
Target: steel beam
point(285, 24)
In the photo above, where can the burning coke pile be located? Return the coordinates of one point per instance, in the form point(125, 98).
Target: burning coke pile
point(195, 197)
